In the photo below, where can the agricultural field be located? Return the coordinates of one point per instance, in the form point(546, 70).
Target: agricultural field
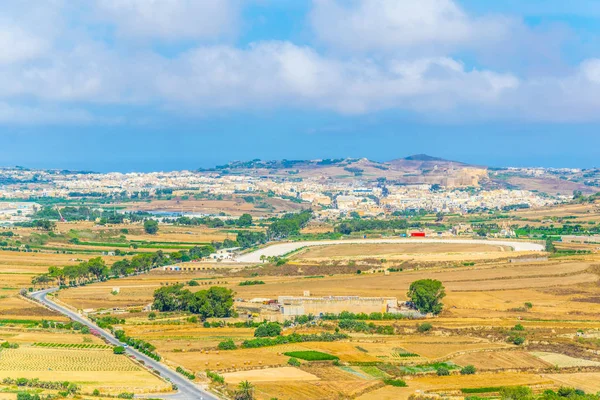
point(555, 302)
point(393, 252)
point(501, 360)
point(74, 357)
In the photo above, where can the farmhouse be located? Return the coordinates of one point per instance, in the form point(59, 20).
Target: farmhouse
point(304, 305)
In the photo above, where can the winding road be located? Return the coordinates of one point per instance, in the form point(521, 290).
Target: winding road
point(187, 389)
point(278, 250)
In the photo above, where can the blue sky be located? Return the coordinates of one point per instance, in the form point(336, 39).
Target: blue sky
point(180, 84)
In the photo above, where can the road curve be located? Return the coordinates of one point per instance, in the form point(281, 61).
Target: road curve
point(280, 249)
point(187, 389)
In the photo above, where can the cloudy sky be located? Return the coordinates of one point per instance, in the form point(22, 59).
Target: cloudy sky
point(174, 84)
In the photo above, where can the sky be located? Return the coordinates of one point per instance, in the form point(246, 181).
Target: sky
point(148, 85)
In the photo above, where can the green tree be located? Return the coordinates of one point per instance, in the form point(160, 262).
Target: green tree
point(269, 329)
point(244, 220)
point(516, 393)
point(245, 391)
point(426, 294)
point(151, 226)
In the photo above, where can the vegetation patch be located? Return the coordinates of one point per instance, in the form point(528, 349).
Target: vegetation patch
point(311, 355)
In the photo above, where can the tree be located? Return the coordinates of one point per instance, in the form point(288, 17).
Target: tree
point(426, 295)
point(269, 329)
point(97, 267)
point(244, 220)
point(119, 350)
point(150, 226)
point(516, 393)
point(245, 391)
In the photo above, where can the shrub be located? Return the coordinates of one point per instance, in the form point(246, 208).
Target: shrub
point(468, 370)
point(213, 376)
point(516, 393)
point(518, 340)
point(119, 350)
point(443, 371)
point(424, 327)
point(311, 355)
point(227, 345)
point(294, 362)
point(251, 283)
point(518, 327)
point(193, 283)
point(186, 373)
point(269, 329)
point(528, 305)
point(152, 315)
point(395, 382)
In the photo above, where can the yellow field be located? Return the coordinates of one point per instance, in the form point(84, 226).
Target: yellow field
point(501, 360)
point(270, 375)
point(561, 360)
point(586, 381)
point(423, 251)
point(90, 368)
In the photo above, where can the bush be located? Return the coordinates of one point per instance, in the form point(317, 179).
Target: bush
point(468, 370)
point(518, 340)
point(213, 376)
point(424, 327)
point(518, 327)
point(251, 283)
point(193, 283)
point(395, 382)
point(311, 355)
point(152, 315)
point(119, 350)
point(269, 329)
point(227, 345)
point(516, 393)
point(294, 362)
point(443, 371)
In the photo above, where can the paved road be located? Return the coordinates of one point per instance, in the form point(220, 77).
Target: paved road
point(284, 248)
point(187, 389)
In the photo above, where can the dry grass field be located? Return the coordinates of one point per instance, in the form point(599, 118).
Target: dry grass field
point(270, 375)
point(562, 361)
point(501, 360)
point(587, 381)
point(383, 249)
point(434, 384)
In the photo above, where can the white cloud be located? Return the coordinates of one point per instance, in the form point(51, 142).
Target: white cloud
point(63, 67)
point(281, 74)
point(403, 25)
point(19, 45)
point(36, 115)
point(170, 19)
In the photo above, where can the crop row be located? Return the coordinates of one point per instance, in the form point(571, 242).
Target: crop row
point(72, 345)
